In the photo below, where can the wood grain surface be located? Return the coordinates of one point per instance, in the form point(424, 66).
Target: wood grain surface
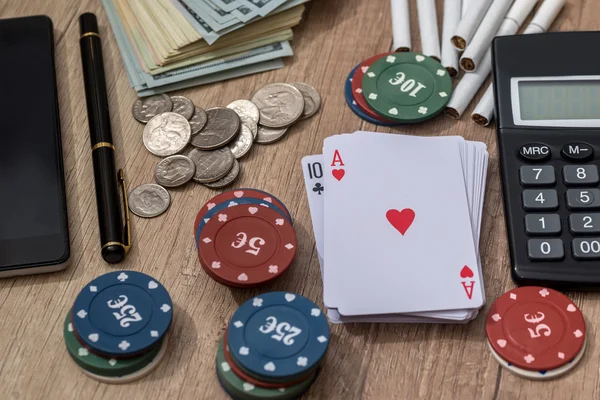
point(365, 361)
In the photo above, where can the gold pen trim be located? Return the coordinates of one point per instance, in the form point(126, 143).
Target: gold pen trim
point(103, 144)
point(123, 185)
point(89, 34)
point(113, 244)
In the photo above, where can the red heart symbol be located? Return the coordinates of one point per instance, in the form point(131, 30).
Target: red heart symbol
point(401, 220)
point(466, 272)
point(338, 174)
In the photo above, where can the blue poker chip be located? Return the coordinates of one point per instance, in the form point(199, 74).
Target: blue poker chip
point(122, 313)
point(278, 336)
point(270, 195)
point(233, 203)
point(354, 107)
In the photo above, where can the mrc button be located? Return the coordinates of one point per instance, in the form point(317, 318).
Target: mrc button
point(534, 152)
point(577, 151)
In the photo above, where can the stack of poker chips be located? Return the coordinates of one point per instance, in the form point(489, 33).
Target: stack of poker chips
point(273, 348)
point(536, 333)
point(116, 331)
point(245, 238)
point(398, 88)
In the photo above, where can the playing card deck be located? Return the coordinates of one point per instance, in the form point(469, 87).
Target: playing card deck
point(396, 221)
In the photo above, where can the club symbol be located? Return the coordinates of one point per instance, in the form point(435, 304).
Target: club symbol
point(318, 188)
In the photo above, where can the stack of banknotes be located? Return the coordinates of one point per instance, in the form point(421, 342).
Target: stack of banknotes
point(173, 44)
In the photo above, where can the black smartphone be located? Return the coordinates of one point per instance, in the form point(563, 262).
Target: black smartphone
point(34, 236)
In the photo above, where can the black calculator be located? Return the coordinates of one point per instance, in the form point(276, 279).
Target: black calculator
point(547, 94)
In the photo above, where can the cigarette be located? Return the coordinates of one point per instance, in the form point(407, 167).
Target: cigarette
point(540, 23)
point(469, 23)
point(484, 112)
point(484, 35)
point(401, 25)
point(430, 39)
point(452, 12)
point(468, 87)
point(465, 6)
point(545, 16)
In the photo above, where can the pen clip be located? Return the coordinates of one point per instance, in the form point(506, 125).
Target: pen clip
point(127, 233)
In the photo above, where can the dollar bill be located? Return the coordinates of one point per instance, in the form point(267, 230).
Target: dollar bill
point(217, 77)
point(226, 5)
point(140, 80)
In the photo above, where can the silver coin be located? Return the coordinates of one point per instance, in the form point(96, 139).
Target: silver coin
point(183, 106)
point(270, 135)
point(167, 134)
point(174, 171)
point(147, 108)
point(227, 179)
point(222, 126)
point(242, 143)
point(312, 99)
point(280, 105)
point(211, 165)
point(198, 120)
point(245, 108)
point(149, 200)
point(253, 126)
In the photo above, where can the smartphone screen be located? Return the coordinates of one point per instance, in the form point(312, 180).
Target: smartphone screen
point(33, 214)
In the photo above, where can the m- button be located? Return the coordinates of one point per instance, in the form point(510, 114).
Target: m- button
point(534, 152)
point(577, 151)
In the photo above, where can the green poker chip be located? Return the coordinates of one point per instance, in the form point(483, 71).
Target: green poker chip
point(407, 87)
point(242, 390)
point(103, 366)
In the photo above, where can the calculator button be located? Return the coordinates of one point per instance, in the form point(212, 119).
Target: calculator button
point(545, 249)
point(580, 174)
point(537, 175)
point(534, 152)
point(582, 199)
point(577, 151)
point(536, 200)
point(585, 223)
point(542, 224)
point(586, 249)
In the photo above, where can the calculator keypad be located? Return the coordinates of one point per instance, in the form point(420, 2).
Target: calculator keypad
point(542, 224)
point(537, 175)
point(580, 174)
point(583, 199)
point(545, 249)
point(584, 223)
point(540, 200)
point(547, 188)
point(586, 248)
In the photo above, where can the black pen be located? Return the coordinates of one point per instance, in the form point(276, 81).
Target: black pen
point(115, 233)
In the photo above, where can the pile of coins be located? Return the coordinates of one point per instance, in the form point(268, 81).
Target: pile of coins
point(204, 146)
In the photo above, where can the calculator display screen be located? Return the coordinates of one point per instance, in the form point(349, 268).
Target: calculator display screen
point(550, 100)
point(568, 100)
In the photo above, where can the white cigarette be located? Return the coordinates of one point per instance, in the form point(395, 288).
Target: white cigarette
point(545, 16)
point(430, 37)
point(468, 87)
point(540, 23)
point(469, 23)
point(465, 6)
point(401, 25)
point(482, 39)
point(484, 112)
point(452, 10)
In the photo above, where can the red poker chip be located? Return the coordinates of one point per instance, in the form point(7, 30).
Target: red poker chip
point(357, 92)
point(236, 194)
point(247, 245)
point(535, 328)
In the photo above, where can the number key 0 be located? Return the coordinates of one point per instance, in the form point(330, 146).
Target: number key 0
point(545, 249)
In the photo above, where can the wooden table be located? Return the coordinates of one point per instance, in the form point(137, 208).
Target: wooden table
point(364, 361)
